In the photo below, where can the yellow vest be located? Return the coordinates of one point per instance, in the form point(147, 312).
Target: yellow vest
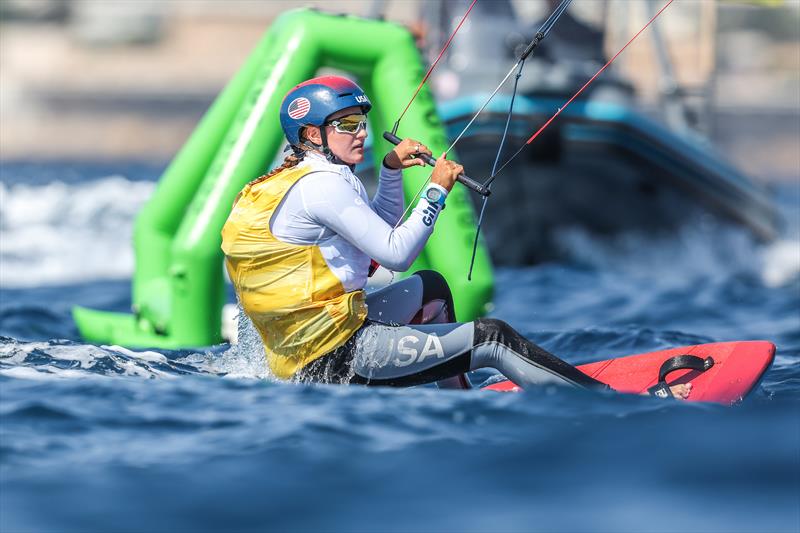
point(295, 301)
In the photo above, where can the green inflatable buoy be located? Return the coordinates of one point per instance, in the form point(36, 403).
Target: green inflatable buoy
point(178, 283)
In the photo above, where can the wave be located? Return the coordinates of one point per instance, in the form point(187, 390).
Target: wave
point(62, 359)
point(61, 233)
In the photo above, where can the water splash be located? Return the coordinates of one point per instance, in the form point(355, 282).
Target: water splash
point(245, 358)
point(61, 233)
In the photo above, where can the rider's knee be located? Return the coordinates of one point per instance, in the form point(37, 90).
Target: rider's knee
point(435, 287)
point(494, 330)
point(431, 278)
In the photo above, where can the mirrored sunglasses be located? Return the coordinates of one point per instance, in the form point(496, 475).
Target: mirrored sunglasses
point(349, 124)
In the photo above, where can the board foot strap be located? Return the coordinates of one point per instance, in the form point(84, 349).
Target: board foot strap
point(679, 362)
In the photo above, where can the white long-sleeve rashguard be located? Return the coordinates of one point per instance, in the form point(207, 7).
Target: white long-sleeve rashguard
point(329, 207)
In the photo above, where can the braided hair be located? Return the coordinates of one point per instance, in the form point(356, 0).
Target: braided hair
point(289, 161)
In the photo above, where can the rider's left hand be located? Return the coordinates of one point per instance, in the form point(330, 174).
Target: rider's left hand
point(405, 155)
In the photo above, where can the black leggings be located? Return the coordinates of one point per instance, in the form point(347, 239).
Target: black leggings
point(390, 350)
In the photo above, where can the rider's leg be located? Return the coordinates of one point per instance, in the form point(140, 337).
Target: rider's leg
point(423, 298)
point(417, 354)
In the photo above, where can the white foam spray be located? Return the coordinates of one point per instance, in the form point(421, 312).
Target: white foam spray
point(245, 358)
point(61, 233)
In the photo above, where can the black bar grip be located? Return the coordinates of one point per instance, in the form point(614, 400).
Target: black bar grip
point(463, 179)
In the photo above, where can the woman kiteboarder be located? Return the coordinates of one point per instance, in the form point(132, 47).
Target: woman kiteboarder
point(299, 243)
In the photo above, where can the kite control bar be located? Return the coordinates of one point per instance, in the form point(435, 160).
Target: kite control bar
point(464, 180)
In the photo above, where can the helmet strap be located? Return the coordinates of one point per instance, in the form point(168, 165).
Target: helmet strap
point(307, 144)
point(326, 151)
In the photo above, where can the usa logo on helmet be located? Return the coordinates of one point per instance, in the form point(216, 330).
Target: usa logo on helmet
point(299, 108)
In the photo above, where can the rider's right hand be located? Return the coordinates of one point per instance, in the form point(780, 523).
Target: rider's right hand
point(445, 172)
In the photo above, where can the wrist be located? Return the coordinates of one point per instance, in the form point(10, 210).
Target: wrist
point(386, 165)
point(435, 194)
point(442, 185)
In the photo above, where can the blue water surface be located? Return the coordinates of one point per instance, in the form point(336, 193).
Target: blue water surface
point(101, 438)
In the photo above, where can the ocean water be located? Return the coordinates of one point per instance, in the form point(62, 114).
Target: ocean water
point(101, 438)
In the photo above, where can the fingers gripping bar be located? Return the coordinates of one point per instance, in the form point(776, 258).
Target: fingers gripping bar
point(463, 179)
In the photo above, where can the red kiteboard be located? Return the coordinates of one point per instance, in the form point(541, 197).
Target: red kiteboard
point(737, 368)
